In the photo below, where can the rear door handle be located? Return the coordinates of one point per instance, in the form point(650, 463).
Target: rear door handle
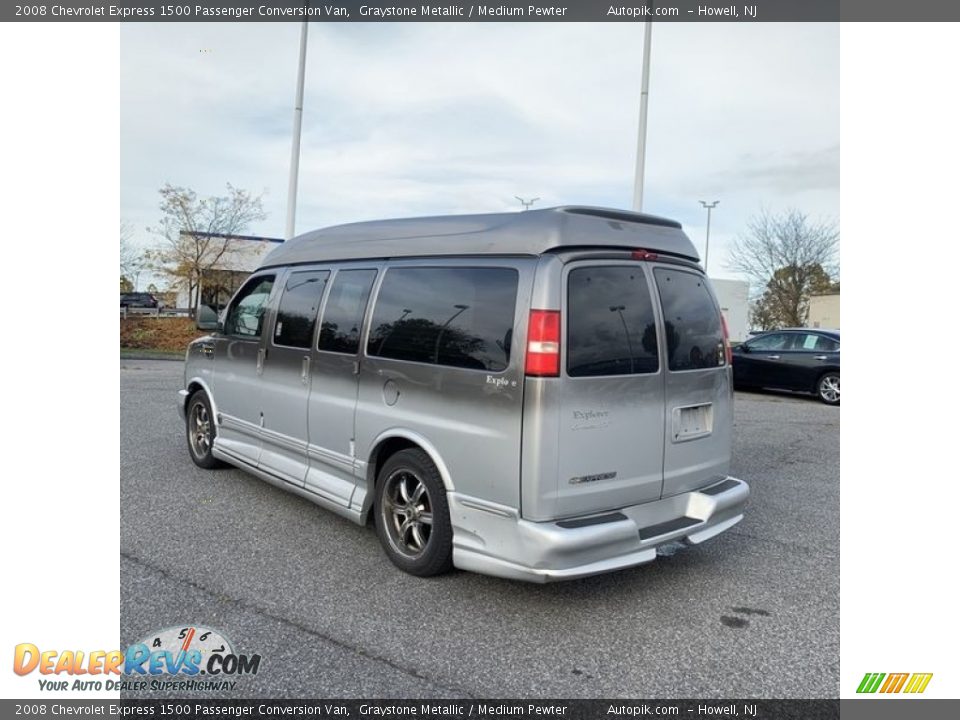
point(261, 356)
point(820, 357)
point(305, 370)
point(773, 357)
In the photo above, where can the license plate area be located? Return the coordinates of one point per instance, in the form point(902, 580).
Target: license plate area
point(692, 422)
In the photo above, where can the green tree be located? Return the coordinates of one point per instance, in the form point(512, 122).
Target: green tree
point(196, 233)
point(786, 298)
point(791, 257)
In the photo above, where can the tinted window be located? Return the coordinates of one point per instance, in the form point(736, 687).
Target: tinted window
point(610, 324)
point(774, 341)
point(455, 316)
point(299, 304)
point(691, 321)
point(816, 343)
point(343, 313)
point(245, 316)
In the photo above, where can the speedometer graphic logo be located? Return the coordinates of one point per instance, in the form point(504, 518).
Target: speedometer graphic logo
point(201, 642)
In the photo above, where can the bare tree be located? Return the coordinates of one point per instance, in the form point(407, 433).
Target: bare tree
point(789, 256)
point(132, 259)
point(197, 232)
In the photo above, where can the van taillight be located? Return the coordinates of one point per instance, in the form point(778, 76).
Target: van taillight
point(543, 343)
point(728, 351)
point(641, 254)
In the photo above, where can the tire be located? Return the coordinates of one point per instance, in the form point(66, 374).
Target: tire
point(828, 388)
point(201, 431)
point(412, 515)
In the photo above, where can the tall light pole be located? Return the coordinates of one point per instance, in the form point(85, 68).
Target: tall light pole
point(295, 149)
point(642, 124)
point(526, 203)
point(706, 253)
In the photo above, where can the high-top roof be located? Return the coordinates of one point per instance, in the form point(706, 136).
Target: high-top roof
point(532, 232)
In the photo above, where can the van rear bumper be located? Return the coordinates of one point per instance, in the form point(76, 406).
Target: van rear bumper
point(494, 540)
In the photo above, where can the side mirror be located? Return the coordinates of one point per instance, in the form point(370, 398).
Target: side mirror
point(207, 319)
point(743, 347)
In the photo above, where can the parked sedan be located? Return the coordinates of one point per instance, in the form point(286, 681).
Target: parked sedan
point(138, 300)
point(801, 359)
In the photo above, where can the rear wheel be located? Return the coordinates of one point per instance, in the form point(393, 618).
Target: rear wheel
point(828, 388)
point(412, 516)
point(201, 431)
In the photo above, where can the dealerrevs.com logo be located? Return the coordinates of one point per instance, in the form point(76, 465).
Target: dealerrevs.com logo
point(178, 659)
point(910, 683)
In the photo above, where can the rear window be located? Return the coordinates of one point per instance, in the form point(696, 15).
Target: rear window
point(691, 321)
point(610, 323)
point(455, 316)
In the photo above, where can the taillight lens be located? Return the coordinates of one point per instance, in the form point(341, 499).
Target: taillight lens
point(641, 254)
point(727, 350)
point(543, 343)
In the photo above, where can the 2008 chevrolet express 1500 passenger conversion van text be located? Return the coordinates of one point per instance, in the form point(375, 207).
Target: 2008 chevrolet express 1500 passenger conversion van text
point(541, 395)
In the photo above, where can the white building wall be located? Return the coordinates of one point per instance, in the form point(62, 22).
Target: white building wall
point(734, 299)
point(824, 312)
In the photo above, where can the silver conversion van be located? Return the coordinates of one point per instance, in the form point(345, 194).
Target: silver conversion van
point(540, 395)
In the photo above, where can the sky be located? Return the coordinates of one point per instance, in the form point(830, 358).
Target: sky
point(406, 119)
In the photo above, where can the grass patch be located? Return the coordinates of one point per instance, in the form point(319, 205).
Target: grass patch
point(167, 335)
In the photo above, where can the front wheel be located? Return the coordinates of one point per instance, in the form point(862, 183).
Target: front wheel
point(201, 431)
point(412, 515)
point(828, 388)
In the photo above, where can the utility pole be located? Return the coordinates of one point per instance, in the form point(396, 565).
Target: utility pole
point(642, 125)
point(526, 203)
point(295, 149)
point(706, 253)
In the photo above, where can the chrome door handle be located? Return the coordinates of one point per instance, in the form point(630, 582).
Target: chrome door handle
point(261, 356)
point(305, 370)
point(820, 357)
point(773, 357)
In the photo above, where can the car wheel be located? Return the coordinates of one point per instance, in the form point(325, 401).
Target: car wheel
point(412, 516)
point(201, 431)
point(828, 388)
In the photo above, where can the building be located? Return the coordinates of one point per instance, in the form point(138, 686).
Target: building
point(734, 299)
point(236, 257)
point(824, 311)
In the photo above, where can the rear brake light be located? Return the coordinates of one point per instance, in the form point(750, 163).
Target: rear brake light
point(641, 254)
point(727, 350)
point(543, 343)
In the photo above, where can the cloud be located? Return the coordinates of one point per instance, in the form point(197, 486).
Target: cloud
point(405, 119)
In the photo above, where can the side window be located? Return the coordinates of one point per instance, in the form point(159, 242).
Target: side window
point(610, 323)
point(774, 341)
point(691, 321)
point(456, 316)
point(245, 316)
point(820, 343)
point(299, 304)
point(343, 313)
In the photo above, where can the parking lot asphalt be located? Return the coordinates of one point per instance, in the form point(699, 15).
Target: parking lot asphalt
point(751, 613)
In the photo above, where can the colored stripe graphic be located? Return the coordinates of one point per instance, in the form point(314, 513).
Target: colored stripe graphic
point(918, 682)
point(870, 682)
point(894, 682)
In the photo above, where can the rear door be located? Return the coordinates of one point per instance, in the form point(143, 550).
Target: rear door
point(610, 435)
point(699, 402)
point(805, 360)
point(285, 376)
point(333, 391)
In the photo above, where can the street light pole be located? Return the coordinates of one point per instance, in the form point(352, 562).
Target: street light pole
point(526, 203)
point(706, 253)
point(642, 125)
point(295, 150)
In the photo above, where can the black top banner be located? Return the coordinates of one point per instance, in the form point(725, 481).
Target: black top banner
point(529, 11)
